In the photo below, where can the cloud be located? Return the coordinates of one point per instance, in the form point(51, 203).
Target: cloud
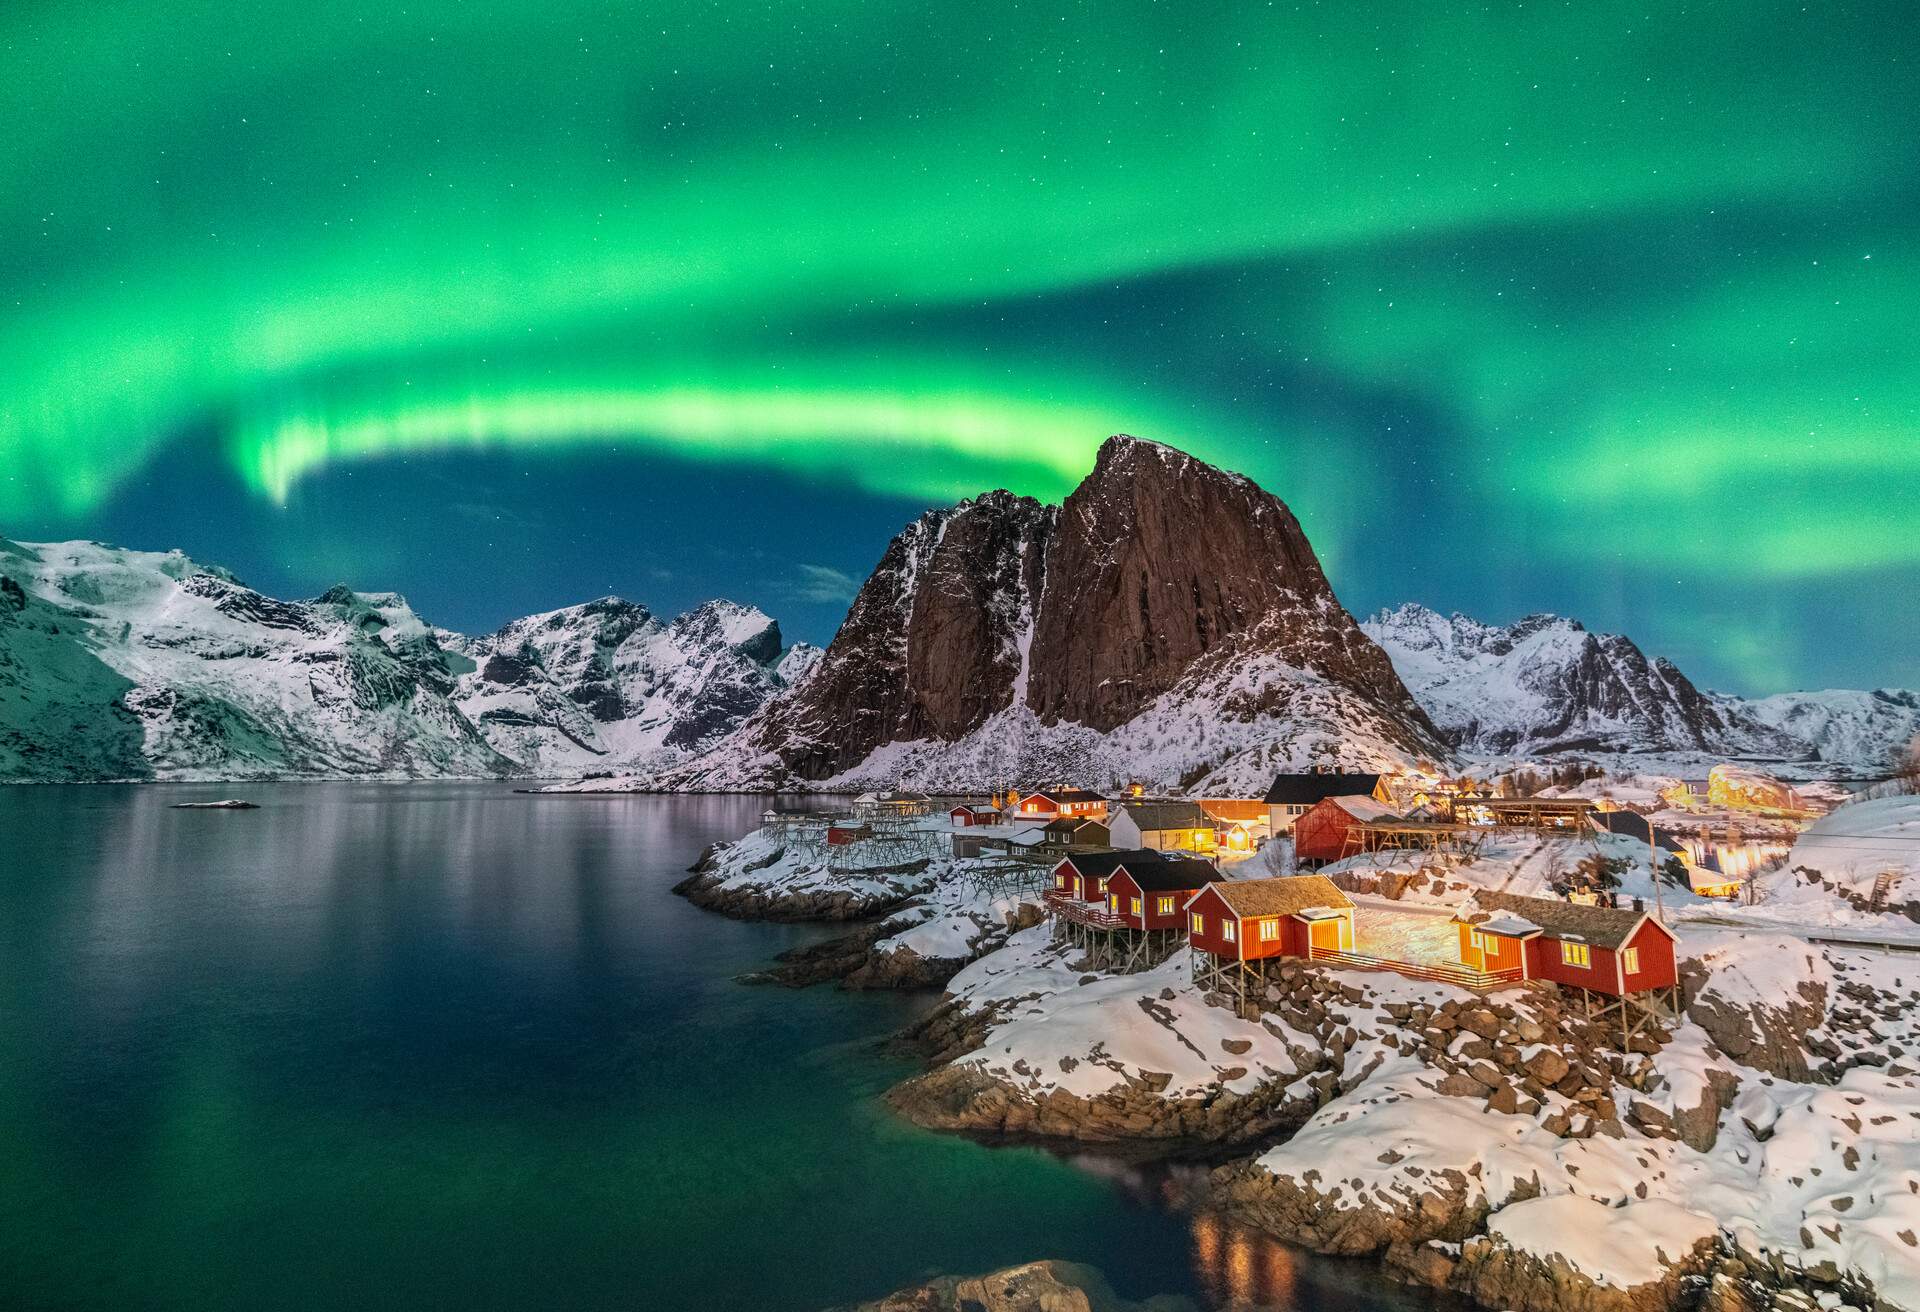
point(823, 584)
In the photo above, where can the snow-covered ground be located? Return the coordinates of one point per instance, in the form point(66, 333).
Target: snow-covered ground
point(1053, 1032)
point(1816, 1172)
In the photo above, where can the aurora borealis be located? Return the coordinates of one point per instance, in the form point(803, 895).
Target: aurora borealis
point(1598, 309)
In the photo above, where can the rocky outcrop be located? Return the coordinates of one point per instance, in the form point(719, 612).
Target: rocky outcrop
point(967, 1099)
point(1770, 1036)
point(1159, 577)
point(1048, 1286)
point(711, 891)
point(1496, 1275)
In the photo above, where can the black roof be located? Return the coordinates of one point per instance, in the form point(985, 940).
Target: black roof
point(1169, 876)
point(1068, 824)
point(1306, 789)
point(1101, 864)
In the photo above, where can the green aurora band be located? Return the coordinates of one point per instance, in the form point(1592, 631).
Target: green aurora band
point(1652, 272)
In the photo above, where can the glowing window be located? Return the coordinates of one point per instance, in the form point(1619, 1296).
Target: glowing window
point(1478, 940)
point(1166, 906)
point(1198, 922)
point(1113, 903)
point(1576, 954)
point(1134, 906)
point(1227, 930)
point(1269, 930)
point(1630, 961)
point(1065, 880)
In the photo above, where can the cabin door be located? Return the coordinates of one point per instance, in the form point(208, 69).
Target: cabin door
point(1324, 935)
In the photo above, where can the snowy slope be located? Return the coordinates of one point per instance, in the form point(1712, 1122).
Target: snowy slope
point(126, 664)
point(1840, 725)
point(118, 664)
point(607, 685)
point(1544, 685)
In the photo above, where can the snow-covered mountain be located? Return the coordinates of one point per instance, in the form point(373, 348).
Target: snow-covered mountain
point(1168, 622)
point(119, 664)
point(1870, 728)
point(1546, 686)
point(606, 684)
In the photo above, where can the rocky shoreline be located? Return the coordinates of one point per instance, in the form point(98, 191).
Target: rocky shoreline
point(1464, 1142)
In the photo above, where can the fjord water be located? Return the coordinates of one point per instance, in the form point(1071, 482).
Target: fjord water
point(419, 1045)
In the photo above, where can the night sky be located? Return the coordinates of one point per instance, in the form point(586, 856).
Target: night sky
point(1606, 310)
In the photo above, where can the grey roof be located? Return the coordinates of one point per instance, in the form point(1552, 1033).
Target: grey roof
point(1306, 789)
point(1167, 815)
point(1284, 895)
point(1607, 927)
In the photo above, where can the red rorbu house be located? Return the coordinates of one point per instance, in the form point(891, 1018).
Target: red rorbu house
point(1124, 907)
point(1056, 803)
point(1245, 923)
point(974, 814)
point(1320, 835)
point(1619, 954)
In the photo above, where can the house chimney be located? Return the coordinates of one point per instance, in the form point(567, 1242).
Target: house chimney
point(1639, 904)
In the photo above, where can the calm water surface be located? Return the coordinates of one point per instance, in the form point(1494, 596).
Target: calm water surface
point(441, 1045)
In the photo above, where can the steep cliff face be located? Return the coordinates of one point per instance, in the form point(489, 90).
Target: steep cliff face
point(932, 646)
point(1544, 684)
point(1160, 561)
point(1169, 620)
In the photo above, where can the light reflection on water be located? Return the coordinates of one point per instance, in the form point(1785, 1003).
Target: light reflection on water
point(436, 1045)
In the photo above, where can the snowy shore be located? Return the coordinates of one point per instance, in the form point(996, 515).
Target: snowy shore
point(1761, 1150)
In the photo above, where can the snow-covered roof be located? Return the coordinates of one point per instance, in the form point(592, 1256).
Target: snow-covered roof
point(1364, 808)
point(1509, 926)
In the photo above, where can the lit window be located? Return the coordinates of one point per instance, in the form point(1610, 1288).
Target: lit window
point(1166, 906)
point(1199, 923)
point(1065, 880)
point(1269, 930)
point(1630, 961)
point(1478, 940)
point(1227, 930)
point(1576, 954)
point(1113, 903)
point(1133, 906)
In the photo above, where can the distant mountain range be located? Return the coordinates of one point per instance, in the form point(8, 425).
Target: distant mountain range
point(134, 665)
point(1545, 686)
point(1168, 623)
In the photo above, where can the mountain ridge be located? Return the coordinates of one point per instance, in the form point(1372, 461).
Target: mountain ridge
point(121, 664)
point(1168, 620)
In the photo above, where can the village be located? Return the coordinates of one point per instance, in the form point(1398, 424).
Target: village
point(1682, 1005)
point(1236, 882)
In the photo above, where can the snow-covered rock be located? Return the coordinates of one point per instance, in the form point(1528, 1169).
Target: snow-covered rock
point(118, 664)
point(606, 685)
point(127, 664)
point(1545, 685)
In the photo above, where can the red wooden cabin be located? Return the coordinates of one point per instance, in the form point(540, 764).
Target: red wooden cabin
point(974, 814)
point(1253, 919)
point(1054, 803)
point(1148, 891)
point(1610, 950)
point(1320, 835)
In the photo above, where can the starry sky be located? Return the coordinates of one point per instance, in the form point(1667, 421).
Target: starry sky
point(1601, 309)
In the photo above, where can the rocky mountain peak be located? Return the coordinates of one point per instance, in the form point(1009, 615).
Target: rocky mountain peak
point(1159, 575)
point(745, 629)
